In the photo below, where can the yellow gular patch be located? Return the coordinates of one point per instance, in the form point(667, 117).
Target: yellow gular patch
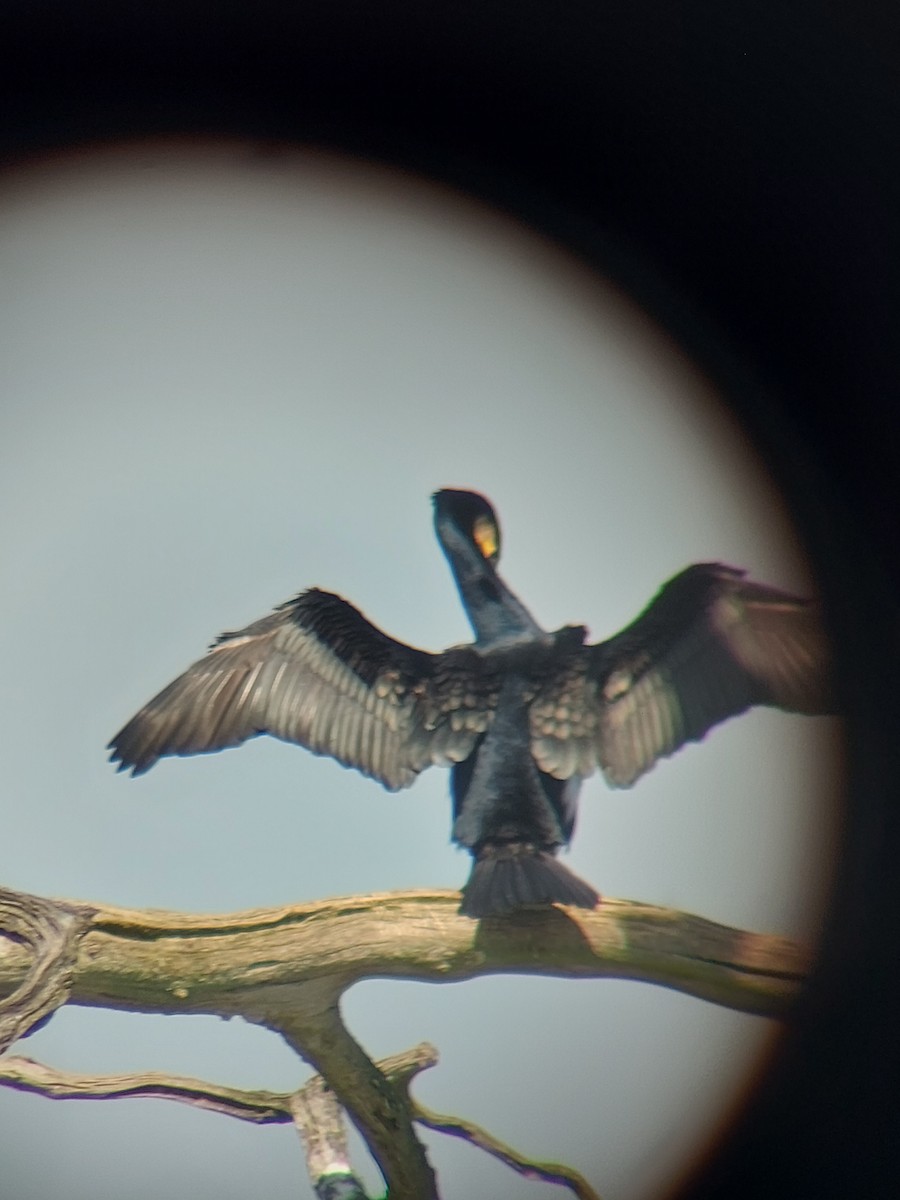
point(486, 537)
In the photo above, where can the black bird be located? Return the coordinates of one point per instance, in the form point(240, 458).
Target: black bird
point(521, 715)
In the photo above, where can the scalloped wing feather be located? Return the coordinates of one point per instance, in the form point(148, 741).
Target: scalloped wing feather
point(317, 673)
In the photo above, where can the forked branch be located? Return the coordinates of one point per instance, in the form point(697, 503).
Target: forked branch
point(313, 1109)
point(286, 969)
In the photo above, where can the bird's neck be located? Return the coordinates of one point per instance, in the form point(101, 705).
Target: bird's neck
point(496, 613)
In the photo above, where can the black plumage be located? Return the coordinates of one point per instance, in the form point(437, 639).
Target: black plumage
point(520, 715)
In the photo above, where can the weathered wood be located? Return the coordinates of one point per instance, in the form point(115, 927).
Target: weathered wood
point(314, 1109)
point(529, 1167)
point(286, 968)
point(378, 1108)
point(239, 963)
point(52, 931)
point(259, 1106)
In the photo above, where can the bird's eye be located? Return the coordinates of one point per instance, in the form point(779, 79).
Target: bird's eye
point(485, 536)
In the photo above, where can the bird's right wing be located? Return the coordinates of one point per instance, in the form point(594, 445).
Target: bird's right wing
point(708, 646)
point(317, 672)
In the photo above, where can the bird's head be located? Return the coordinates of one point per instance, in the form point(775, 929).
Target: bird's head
point(469, 515)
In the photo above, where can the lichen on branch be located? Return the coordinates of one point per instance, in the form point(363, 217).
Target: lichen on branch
point(286, 969)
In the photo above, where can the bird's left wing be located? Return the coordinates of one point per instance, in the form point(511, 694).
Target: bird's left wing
point(709, 645)
point(317, 672)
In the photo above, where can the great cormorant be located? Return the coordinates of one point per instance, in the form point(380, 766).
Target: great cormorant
point(520, 715)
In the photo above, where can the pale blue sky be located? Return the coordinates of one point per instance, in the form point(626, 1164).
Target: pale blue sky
point(227, 377)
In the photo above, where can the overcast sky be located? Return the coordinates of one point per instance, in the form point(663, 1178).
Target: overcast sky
point(227, 377)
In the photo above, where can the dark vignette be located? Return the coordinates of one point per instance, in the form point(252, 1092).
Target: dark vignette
point(735, 168)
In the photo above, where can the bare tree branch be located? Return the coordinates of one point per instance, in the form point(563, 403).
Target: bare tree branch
point(530, 1168)
point(314, 1110)
point(260, 1107)
point(52, 930)
point(319, 1119)
point(379, 1108)
point(156, 961)
point(286, 969)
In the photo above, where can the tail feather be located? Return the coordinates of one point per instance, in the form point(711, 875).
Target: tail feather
point(511, 875)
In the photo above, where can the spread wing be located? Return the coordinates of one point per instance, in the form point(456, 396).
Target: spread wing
point(709, 645)
point(317, 672)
